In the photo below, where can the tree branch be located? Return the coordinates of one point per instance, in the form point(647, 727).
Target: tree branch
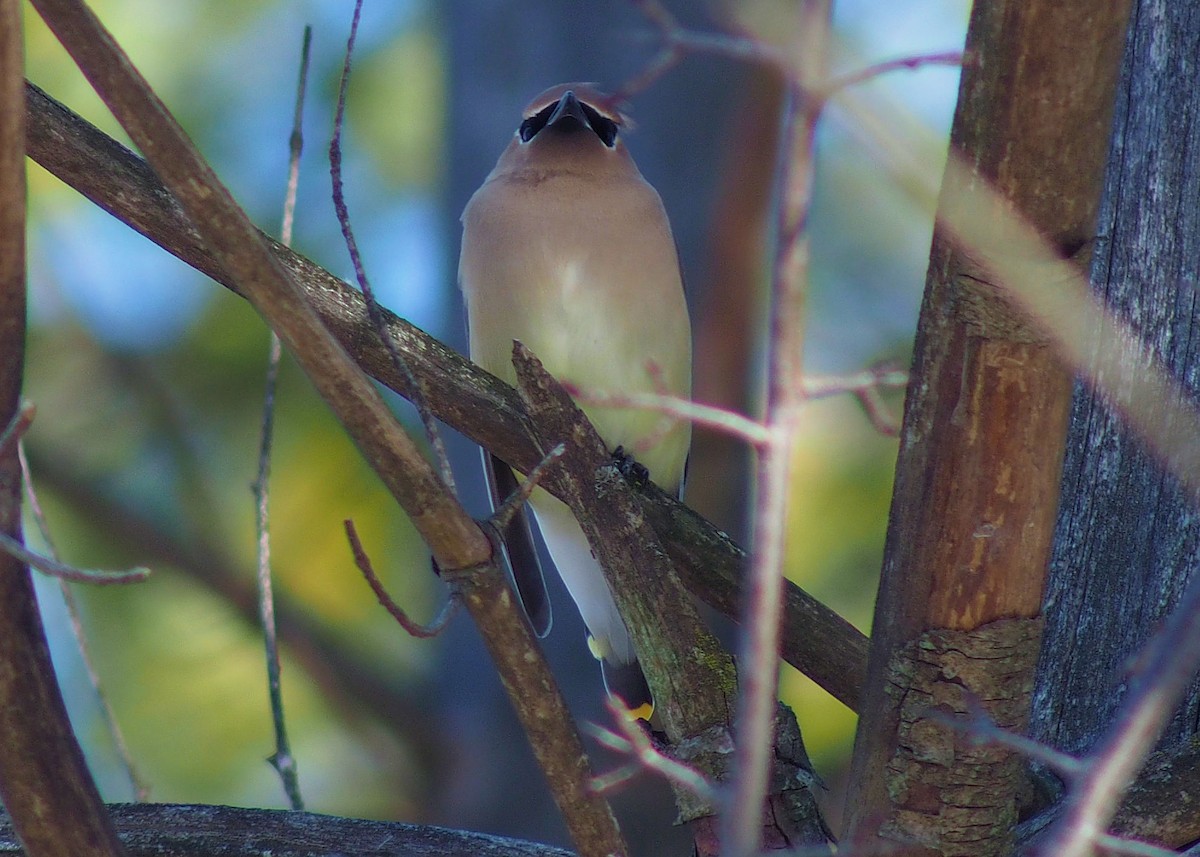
point(459, 545)
point(182, 830)
point(44, 780)
point(816, 640)
point(984, 431)
point(692, 678)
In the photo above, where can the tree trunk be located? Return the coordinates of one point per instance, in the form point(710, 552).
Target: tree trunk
point(1128, 540)
point(957, 618)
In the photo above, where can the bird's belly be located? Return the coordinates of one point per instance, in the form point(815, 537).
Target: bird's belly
point(590, 330)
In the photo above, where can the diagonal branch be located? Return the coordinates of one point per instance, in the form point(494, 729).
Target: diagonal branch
point(816, 640)
point(451, 534)
point(458, 544)
point(692, 678)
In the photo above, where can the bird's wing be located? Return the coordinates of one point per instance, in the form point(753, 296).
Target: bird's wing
point(520, 553)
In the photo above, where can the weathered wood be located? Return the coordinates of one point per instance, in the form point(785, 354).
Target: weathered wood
point(944, 783)
point(182, 830)
point(1128, 540)
point(985, 419)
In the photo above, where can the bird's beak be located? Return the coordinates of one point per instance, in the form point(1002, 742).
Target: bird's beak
point(569, 109)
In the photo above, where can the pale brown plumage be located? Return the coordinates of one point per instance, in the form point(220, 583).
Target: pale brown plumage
point(568, 249)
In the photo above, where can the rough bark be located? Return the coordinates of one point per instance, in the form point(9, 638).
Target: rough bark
point(985, 419)
point(179, 830)
point(1128, 539)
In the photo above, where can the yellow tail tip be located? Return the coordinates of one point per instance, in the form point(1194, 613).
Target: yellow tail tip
point(643, 712)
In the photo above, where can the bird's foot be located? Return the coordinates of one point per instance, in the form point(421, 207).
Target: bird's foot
point(630, 468)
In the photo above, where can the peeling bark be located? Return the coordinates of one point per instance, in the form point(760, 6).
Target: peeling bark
point(951, 793)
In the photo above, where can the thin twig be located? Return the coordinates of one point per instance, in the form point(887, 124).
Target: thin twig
point(282, 759)
point(669, 55)
point(140, 790)
point(513, 504)
point(633, 741)
point(679, 42)
point(16, 428)
point(982, 729)
point(909, 63)
point(877, 412)
point(62, 571)
point(1171, 660)
point(1133, 847)
point(677, 407)
point(865, 387)
point(414, 629)
point(742, 823)
point(824, 386)
point(374, 311)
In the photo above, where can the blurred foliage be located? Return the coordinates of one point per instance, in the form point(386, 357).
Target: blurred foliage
point(183, 670)
point(148, 381)
point(168, 427)
point(836, 526)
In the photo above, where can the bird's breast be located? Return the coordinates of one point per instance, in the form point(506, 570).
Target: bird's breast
point(589, 280)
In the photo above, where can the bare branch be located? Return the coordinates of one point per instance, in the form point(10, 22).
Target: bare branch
point(1170, 663)
point(679, 42)
point(414, 629)
point(53, 568)
point(882, 377)
point(854, 78)
point(10, 438)
point(817, 641)
point(1120, 845)
point(282, 759)
point(741, 824)
point(44, 781)
point(138, 787)
point(984, 730)
point(420, 395)
point(721, 419)
point(634, 741)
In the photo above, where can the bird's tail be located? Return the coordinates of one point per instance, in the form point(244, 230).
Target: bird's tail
point(627, 682)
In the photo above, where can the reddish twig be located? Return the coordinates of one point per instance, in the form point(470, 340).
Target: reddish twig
point(633, 740)
point(10, 438)
point(414, 629)
point(675, 407)
point(909, 63)
point(374, 311)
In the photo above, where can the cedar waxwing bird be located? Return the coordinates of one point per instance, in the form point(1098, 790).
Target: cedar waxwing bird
point(567, 248)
